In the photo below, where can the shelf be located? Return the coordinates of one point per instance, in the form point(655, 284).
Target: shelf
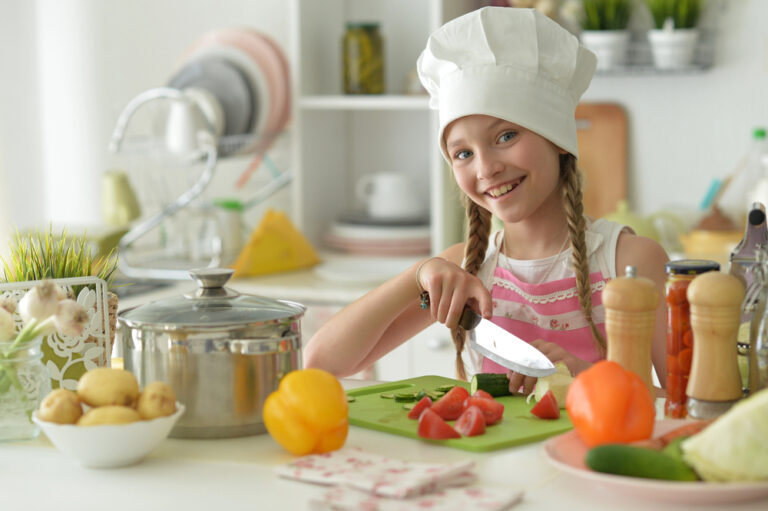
point(369, 102)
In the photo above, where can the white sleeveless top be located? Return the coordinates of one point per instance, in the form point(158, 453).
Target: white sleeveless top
point(536, 304)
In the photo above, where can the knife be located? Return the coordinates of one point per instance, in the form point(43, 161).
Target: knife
point(504, 348)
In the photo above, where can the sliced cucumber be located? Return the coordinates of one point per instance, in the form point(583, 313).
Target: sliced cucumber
point(409, 406)
point(387, 395)
point(405, 397)
point(350, 399)
point(496, 384)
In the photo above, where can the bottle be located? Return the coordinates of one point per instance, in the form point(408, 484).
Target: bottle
point(363, 52)
point(743, 257)
point(680, 342)
point(738, 191)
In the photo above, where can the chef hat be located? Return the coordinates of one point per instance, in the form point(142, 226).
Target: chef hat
point(511, 63)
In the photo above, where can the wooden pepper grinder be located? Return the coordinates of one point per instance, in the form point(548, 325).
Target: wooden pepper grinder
point(715, 383)
point(630, 317)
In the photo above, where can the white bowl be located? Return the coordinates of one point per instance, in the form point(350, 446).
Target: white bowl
point(112, 445)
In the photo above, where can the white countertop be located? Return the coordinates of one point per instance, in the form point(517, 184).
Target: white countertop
point(234, 474)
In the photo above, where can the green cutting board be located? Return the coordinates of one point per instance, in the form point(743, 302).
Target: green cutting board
point(517, 427)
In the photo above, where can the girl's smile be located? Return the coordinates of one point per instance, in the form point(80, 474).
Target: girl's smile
point(503, 190)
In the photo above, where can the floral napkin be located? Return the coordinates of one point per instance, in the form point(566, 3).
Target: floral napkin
point(371, 482)
point(340, 498)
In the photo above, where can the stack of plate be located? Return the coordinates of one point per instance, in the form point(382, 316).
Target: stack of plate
point(356, 233)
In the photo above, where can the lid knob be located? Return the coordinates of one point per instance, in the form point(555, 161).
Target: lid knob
point(210, 282)
point(211, 277)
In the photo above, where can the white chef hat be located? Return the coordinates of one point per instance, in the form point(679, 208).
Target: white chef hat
point(511, 63)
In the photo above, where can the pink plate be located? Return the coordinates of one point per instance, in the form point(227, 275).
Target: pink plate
point(567, 452)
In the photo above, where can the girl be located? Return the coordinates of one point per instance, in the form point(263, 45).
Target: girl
point(505, 82)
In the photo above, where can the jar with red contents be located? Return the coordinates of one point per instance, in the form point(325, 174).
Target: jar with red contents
point(679, 334)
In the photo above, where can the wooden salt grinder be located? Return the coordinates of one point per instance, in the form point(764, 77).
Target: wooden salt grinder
point(630, 317)
point(715, 382)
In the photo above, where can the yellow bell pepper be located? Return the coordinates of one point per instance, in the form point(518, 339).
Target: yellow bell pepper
point(307, 414)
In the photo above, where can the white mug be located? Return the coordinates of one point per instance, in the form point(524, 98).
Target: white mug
point(390, 195)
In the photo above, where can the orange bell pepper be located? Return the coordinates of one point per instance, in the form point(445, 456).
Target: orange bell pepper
point(609, 404)
point(307, 414)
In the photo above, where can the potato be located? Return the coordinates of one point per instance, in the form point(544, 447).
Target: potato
point(110, 414)
point(104, 386)
point(156, 400)
point(61, 406)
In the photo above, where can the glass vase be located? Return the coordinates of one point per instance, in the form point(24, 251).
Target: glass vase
point(24, 382)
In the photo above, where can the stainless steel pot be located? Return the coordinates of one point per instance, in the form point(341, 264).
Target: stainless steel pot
point(222, 352)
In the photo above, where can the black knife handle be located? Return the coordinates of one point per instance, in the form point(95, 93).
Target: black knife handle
point(469, 319)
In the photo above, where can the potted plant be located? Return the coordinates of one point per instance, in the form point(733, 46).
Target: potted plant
point(604, 30)
point(36, 256)
point(675, 34)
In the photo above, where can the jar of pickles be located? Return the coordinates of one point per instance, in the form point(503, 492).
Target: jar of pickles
point(363, 52)
point(680, 340)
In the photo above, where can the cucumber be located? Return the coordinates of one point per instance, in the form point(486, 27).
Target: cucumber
point(405, 397)
point(628, 460)
point(675, 448)
point(496, 384)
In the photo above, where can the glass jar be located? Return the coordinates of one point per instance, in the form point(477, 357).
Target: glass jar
point(679, 334)
point(24, 382)
point(363, 52)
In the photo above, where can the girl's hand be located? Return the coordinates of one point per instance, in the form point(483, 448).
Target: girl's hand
point(450, 289)
point(555, 353)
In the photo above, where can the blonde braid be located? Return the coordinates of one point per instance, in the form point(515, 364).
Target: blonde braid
point(574, 211)
point(478, 232)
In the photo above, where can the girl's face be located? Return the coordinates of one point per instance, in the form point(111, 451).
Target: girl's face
point(503, 167)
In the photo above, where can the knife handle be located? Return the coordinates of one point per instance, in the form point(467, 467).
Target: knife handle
point(469, 319)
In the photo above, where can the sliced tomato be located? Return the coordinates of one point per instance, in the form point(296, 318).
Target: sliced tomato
point(482, 393)
point(471, 422)
point(450, 406)
point(419, 407)
point(492, 409)
point(547, 407)
point(431, 425)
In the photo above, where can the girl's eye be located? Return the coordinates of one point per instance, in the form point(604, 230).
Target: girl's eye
point(506, 137)
point(463, 155)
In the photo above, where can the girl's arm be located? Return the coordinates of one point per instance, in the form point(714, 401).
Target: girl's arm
point(383, 319)
point(649, 258)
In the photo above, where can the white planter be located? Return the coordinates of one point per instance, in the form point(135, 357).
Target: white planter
point(610, 46)
point(673, 49)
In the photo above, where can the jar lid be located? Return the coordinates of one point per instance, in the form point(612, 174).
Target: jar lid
point(691, 266)
point(210, 305)
point(365, 25)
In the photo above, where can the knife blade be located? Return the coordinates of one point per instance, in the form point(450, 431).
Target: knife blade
point(503, 347)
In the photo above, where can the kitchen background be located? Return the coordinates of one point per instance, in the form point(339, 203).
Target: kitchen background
point(69, 67)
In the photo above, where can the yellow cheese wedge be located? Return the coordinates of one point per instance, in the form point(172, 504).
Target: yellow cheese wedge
point(274, 246)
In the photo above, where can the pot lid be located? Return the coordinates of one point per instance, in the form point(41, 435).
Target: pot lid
point(211, 305)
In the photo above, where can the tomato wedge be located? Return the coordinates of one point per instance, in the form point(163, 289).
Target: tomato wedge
point(547, 407)
point(492, 409)
point(471, 422)
point(419, 407)
point(450, 406)
point(482, 393)
point(431, 425)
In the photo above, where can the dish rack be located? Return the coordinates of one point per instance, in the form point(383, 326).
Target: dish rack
point(156, 265)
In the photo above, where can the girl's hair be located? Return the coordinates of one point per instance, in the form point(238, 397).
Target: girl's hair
point(479, 229)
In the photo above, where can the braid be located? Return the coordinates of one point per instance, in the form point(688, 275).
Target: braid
point(478, 232)
point(574, 212)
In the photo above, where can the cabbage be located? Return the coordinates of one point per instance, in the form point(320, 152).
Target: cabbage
point(558, 383)
point(735, 446)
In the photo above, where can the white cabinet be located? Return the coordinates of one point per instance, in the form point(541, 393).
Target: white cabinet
point(337, 138)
